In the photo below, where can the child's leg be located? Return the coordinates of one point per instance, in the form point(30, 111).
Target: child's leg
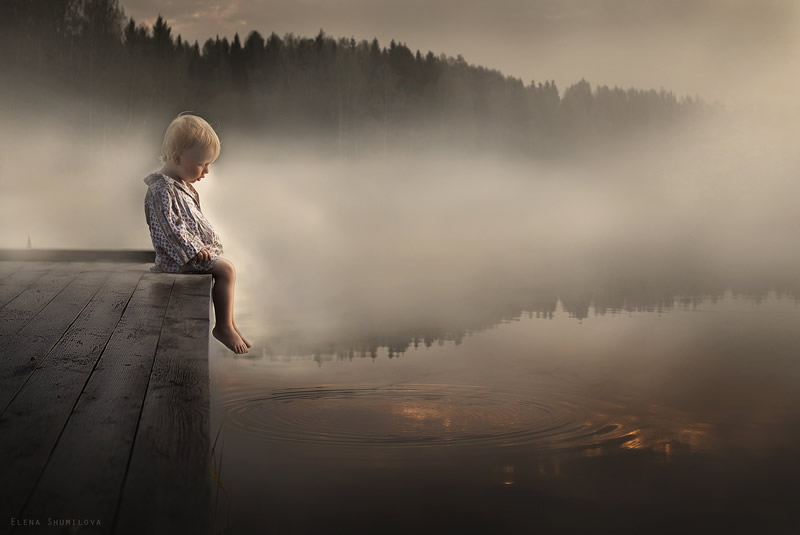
point(224, 280)
point(235, 327)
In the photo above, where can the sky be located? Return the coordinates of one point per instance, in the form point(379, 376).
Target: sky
point(733, 51)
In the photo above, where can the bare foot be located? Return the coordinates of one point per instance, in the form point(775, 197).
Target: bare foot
point(230, 338)
point(245, 340)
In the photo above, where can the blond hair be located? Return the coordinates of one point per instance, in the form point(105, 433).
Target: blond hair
point(187, 131)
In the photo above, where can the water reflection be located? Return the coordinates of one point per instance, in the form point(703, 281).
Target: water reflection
point(424, 415)
point(358, 337)
point(678, 407)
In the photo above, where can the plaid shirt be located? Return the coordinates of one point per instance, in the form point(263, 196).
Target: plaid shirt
point(178, 227)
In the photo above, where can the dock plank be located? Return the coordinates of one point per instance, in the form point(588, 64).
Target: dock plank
point(174, 425)
point(84, 475)
point(15, 283)
point(21, 353)
point(31, 300)
point(8, 268)
point(79, 255)
point(32, 423)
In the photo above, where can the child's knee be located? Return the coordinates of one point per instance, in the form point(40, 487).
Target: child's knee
point(224, 268)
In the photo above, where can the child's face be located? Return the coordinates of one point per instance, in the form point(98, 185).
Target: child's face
point(194, 163)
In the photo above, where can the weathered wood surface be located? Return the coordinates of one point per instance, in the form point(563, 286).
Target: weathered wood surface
point(42, 407)
point(37, 319)
point(8, 268)
point(77, 255)
point(110, 421)
point(20, 279)
point(174, 424)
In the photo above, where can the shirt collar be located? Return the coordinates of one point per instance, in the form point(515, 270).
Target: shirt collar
point(180, 184)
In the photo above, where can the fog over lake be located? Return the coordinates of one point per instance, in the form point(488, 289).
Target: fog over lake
point(324, 242)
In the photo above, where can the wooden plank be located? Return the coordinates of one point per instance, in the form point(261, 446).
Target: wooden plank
point(195, 284)
point(30, 301)
point(15, 283)
point(32, 423)
point(79, 255)
point(8, 268)
point(84, 475)
point(51, 279)
point(169, 483)
point(28, 348)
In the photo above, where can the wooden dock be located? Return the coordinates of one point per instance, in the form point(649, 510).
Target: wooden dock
point(104, 396)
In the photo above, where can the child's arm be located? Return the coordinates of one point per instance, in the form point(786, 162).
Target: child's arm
point(182, 245)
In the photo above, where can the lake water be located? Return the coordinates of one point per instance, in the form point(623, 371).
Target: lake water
point(533, 412)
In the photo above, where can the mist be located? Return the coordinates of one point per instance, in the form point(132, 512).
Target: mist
point(328, 244)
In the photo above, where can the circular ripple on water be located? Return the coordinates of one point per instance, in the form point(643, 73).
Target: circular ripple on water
point(418, 415)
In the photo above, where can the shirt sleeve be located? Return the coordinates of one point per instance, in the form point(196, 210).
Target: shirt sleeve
point(180, 244)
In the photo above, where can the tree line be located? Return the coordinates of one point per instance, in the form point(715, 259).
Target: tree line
point(354, 95)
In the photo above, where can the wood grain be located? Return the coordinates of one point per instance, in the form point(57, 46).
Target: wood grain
point(86, 470)
point(33, 421)
point(173, 436)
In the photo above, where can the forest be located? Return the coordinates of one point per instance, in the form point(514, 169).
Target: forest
point(349, 96)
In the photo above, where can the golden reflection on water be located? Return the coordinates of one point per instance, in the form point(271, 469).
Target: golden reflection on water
point(509, 471)
point(697, 436)
point(634, 443)
point(664, 436)
point(418, 412)
point(662, 430)
point(595, 451)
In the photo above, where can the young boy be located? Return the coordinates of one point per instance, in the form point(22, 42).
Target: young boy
point(183, 239)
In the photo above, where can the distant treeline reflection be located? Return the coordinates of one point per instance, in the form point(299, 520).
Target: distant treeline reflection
point(358, 96)
point(504, 306)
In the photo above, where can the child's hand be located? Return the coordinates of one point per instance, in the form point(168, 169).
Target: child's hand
point(203, 255)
